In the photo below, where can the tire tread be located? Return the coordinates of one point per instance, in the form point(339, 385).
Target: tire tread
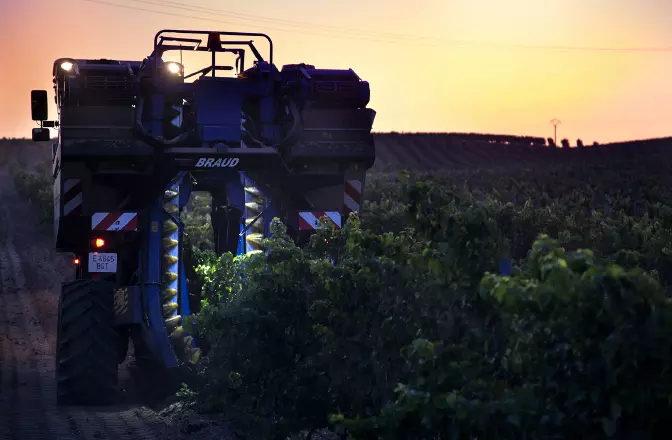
point(87, 344)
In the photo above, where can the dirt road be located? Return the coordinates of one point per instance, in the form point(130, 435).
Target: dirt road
point(30, 277)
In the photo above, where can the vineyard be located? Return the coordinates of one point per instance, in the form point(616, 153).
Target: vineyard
point(508, 292)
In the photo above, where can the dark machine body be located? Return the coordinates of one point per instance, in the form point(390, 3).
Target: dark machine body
point(135, 138)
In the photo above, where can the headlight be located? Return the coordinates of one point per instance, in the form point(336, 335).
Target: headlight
point(174, 68)
point(67, 66)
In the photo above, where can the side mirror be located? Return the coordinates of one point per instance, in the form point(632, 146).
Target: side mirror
point(38, 105)
point(41, 135)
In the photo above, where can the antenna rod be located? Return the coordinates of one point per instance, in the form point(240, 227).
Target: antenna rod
point(555, 123)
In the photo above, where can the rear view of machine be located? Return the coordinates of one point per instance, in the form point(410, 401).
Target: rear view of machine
point(135, 138)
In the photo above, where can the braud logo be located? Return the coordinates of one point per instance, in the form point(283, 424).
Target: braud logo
point(211, 162)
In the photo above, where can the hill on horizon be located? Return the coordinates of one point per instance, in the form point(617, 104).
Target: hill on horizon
point(425, 151)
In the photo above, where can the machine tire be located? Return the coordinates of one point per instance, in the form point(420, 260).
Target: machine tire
point(87, 344)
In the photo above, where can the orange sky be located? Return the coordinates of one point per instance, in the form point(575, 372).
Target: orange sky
point(451, 65)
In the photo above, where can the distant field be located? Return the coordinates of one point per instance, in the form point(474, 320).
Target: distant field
point(442, 152)
point(425, 152)
point(24, 153)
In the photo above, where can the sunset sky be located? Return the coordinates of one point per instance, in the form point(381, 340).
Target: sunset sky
point(490, 66)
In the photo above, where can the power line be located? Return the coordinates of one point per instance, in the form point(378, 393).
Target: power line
point(258, 18)
point(173, 14)
point(235, 19)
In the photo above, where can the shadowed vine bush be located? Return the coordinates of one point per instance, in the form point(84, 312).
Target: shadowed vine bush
point(410, 335)
point(36, 187)
point(582, 350)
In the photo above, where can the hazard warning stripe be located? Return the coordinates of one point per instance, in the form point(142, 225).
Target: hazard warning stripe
point(72, 197)
point(310, 220)
point(352, 197)
point(114, 221)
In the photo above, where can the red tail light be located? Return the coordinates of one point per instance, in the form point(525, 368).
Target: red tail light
point(98, 242)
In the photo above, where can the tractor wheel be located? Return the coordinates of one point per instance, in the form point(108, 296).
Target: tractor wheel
point(87, 344)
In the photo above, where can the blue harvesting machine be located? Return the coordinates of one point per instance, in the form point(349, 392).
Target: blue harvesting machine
point(135, 138)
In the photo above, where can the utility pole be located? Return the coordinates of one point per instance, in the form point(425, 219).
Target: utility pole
point(555, 123)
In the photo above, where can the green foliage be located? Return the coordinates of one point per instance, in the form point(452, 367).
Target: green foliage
point(198, 222)
point(401, 329)
point(581, 350)
point(268, 305)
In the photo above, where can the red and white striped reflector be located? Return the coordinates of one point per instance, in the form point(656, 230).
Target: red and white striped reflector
point(114, 221)
point(352, 197)
point(72, 197)
point(310, 221)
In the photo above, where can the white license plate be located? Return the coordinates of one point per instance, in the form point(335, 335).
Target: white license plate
point(106, 263)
